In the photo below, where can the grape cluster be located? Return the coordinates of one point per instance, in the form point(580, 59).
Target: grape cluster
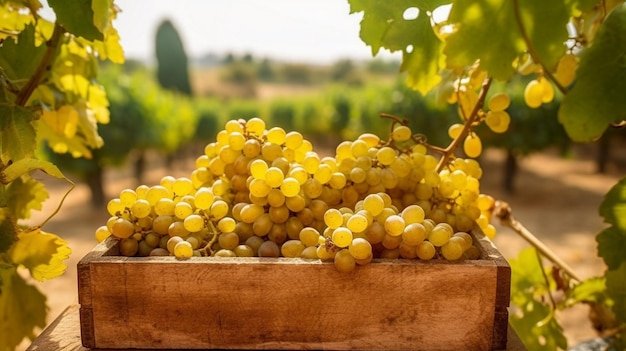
point(267, 193)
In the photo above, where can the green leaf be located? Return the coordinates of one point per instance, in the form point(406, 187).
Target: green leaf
point(8, 229)
point(590, 290)
point(616, 289)
point(82, 25)
point(545, 24)
point(101, 15)
point(20, 60)
point(612, 240)
point(27, 165)
point(42, 253)
point(538, 328)
point(22, 309)
point(596, 100)
point(26, 194)
point(17, 133)
point(486, 30)
point(526, 278)
point(384, 26)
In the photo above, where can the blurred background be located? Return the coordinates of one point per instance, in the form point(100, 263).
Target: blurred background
point(193, 65)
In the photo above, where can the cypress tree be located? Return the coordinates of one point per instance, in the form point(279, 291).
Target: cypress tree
point(172, 65)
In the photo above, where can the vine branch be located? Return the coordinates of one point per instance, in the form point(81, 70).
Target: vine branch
point(47, 59)
point(531, 48)
point(504, 213)
point(449, 150)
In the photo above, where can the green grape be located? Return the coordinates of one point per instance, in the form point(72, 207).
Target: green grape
point(243, 251)
point(357, 223)
point(407, 251)
point(279, 214)
point(228, 240)
point(193, 223)
point(401, 166)
point(269, 249)
point(219, 209)
point(440, 234)
point(413, 234)
point(290, 187)
point(370, 139)
point(152, 240)
point(373, 177)
point(311, 162)
point(194, 241)
point(102, 232)
point(254, 242)
point(499, 102)
point(485, 202)
point(203, 198)
point(413, 214)
point(182, 209)
point(453, 249)
point(533, 94)
point(394, 225)
point(226, 224)
point(375, 233)
point(324, 254)
point(360, 248)
point(236, 141)
point(489, 231)
point(341, 237)
point(389, 178)
point(292, 248)
point(472, 145)
point(425, 250)
point(333, 218)
point(344, 262)
point(183, 249)
point(129, 247)
point(386, 155)
point(122, 228)
point(566, 69)
point(309, 236)
point(161, 223)
point(115, 207)
point(374, 204)
point(275, 198)
point(459, 179)
point(401, 133)
point(255, 126)
point(498, 121)
point(182, 186)
point(258, 168)
point(164, 207)
point(423, 191)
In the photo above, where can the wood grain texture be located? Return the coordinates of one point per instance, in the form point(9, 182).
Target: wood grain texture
point(63, 334)
point(264, 303)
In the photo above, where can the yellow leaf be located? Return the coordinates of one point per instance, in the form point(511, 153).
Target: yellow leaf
point(63, 121)
point(43, 254)
point(75, 83)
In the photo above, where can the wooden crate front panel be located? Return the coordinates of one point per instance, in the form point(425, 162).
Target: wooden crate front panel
point(253, 303)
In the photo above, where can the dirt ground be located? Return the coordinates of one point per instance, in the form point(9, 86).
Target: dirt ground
point(557, 199)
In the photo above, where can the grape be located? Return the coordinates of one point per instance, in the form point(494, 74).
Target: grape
point(425, 250)
point(440, 234)
point(203, 198)
point(394, 225)
point(182, 209)
point(414, 234)
point(292, 248)
point(177, 228)
point(309, 236)
point(243, 251)
point(122, 228)
point(533, 94)
point(323, 174)
point(344, 262)
point(391, 242)
point(262, 225)
point(233, 126)
point(129, 247)
point(357, 223)
point(499, 102)
point(472, 145)
point(258, 168)
point(290, 187)
point(226, 224)
point(489, 231)
point(276, 135)
point(401, 133)
point(183, 249)
point(311, 162)
point(155, 193)
point(455, 130)
point(171, 243)
point(360, 248)
point(193, 223)
point(309, 252)
point(182, 186)
point(453, 249)
point(228, 240)
point(566, 69)
point(333, 218)
point(498, 121)
point(359, 148)
point(102, 232)
point(374, 204)
point(548, 91)
point(159, 252)
point(342, 237)
point(128, 197)
point(115, 207)
point(219, 209)
point(251, 148)
point(386, 155)
point(259, 188)
point(255, 126)
point(236, 141)
point(412, 214)
point(269, 249)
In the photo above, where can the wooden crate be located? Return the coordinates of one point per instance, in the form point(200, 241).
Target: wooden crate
point(281, 303)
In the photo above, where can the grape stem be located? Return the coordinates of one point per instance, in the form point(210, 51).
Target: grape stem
point(531, 48)
point(448, 152)
point(504, 212)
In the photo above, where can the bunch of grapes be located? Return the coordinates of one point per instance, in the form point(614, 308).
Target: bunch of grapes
point(267, 193)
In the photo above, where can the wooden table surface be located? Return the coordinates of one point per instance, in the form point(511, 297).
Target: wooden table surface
point(63, 334)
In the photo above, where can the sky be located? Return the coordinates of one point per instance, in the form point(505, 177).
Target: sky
point(313, 31)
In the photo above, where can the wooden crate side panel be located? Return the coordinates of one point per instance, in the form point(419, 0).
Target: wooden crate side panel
point(266, 304)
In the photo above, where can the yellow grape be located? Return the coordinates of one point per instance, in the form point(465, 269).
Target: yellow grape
point(357, 223)
point(141, 208)
point(453, 249)
point(274, 177)
point(290, 187)
point(401, 133)
point(276, 135)
point(566, 69)
point(425, 250)
point(333, 218)
point(533, 94)
point(102, 233)
point(374, 204)
point(499, 102)
point(472, 145)
point(344, 262)
point(292, 248)
point(498, 121)
point(360, 248)
point(370, 139)
point(548, 91)
point(115, 206)
point(193, 223)
point(394, 225)
point(255, 126)
point(455, 130)
point(342, 237)
point(293, 140)
point(183, 249)
point(386, 155)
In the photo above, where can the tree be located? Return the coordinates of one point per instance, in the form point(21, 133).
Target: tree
point(172, 62)
point(458, 50)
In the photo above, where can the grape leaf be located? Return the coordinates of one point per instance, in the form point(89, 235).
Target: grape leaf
point(590, 290)
point(22, 309)
point(616, 289)
point(611, 246)
point(538, 328)
point(110, 48)
point(26, 194)
point(17, 133)
point(545, 24)
point(19, 60)
point(613, 207)
point(8, 229)
point(101, 15)
point(82, 25)
point(384, 26)
point(596, 99)
point(43, 254)
point(13, 21)
point(612, 240)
